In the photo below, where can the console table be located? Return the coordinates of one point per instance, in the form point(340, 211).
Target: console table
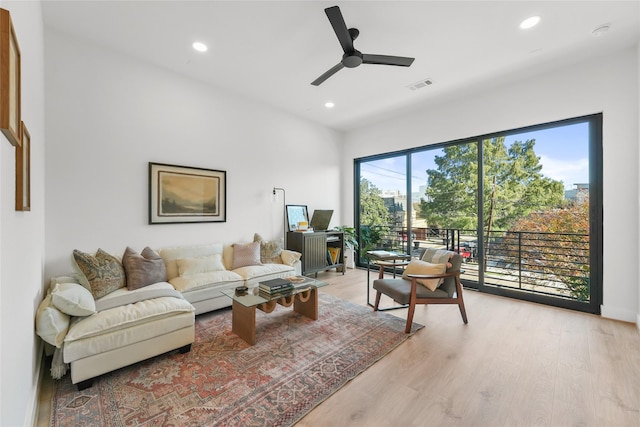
point(315, 248)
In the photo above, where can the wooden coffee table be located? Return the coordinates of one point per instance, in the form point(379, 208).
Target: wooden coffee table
point(304, 298)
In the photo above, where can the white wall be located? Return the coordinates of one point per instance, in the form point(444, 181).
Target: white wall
point(22, 233)
point(638, 237)
point(608, 85)
point(108, 115)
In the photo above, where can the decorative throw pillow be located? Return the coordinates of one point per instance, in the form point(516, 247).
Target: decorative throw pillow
point(51, 324)
point(245, 254)
point(290, 257)
point(143, 269)
point(77, 278)
point(203, 264)
point(73, 299)
point(269, 250)
point(103, 271)
point(423, 267)
point(437, 256)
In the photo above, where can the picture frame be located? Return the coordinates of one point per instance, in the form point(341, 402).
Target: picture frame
point(183, 194)
point(295, 214)
point(10, 92)
point(23, 170)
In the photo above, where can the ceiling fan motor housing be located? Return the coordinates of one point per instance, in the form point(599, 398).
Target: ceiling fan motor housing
point(352, 60)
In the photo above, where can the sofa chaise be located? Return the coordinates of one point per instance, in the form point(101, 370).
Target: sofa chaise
point(117, 311)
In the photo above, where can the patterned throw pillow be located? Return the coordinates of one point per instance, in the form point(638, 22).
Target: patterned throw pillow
point(269, 250)
point(103, 271)
point(143, 269)
point(245, 254)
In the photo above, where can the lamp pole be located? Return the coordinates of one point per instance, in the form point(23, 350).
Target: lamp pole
point(284, 213)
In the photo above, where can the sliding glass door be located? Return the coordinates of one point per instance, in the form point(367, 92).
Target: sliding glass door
point(537, 215)
point(522, 207)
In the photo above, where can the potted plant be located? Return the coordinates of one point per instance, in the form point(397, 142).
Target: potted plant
point(351, 242)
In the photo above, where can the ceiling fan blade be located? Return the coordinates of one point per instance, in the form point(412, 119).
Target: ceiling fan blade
point(340, 28)
point(339, 66)
point(400, 61)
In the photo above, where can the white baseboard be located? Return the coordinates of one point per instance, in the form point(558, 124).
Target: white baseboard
point(618, 313)
point(31, 418)
point(638, 323)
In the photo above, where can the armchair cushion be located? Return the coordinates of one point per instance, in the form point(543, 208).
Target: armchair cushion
point(423, 267)
point(399, 290)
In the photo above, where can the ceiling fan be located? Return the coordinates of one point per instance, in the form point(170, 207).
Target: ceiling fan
point(352, 57)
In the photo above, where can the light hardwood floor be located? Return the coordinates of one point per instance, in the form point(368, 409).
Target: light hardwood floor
point(514, 364)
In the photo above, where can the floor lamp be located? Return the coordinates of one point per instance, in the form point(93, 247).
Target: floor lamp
point(284, 212)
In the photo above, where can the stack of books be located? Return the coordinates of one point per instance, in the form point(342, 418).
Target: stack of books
point(274, 287)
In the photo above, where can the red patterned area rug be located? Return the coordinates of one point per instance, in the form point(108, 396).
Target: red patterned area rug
point(295, 365)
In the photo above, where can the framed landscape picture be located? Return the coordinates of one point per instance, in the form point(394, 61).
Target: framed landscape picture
point(186, 194)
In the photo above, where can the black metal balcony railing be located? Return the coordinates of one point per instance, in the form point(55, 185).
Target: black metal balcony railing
point(554, 264)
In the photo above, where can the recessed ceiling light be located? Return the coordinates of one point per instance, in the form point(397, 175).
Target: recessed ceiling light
point(530, 22)
point(200, 47)
point(329, 104)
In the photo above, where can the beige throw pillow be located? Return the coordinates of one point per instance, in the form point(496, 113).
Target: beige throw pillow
point(423, 267)
point(197, 265)
point(73, 299)
point(143, 269)
point(290, 257)
point(51, 324)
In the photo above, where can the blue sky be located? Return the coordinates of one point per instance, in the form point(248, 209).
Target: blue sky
point(563, 152)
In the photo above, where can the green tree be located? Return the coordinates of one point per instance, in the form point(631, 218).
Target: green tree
point(373, 211)
point(450, 198)
point(374, 216)
point(556, 241)
point(513, 186)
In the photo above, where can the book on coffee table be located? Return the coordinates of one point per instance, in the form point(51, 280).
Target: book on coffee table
point(275, 295)
point(275, 285)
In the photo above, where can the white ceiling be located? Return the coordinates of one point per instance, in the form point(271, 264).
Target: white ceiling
point(270, 51)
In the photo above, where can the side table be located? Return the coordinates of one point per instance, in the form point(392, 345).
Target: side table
point(385, 259)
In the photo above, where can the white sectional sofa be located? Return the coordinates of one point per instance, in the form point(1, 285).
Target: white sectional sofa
point(96, 330)
point(202, 289)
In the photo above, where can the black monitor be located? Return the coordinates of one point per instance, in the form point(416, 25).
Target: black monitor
point(320, 219)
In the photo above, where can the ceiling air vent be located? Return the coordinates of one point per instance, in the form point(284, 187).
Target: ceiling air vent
point(420, 84)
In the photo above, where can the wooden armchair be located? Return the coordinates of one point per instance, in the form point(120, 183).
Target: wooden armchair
point(408, 291)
